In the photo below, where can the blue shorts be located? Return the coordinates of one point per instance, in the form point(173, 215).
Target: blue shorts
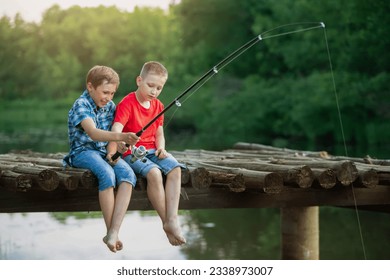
point(108, 175)
point(151, 160)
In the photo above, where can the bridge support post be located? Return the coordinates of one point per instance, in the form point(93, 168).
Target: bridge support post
point(300, 233)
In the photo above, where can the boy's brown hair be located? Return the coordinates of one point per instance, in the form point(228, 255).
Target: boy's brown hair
point(98, 74)
point(153, 67)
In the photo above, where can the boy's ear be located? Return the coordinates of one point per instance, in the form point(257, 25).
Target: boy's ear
point(89, 86)
point(138, 80)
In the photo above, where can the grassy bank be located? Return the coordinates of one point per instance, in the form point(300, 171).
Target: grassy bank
point(39, 125)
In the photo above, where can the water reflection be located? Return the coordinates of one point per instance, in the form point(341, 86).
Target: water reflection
point(211, 234)
point(42, 236)
point(233, 234)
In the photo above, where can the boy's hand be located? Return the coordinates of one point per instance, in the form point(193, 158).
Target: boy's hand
point(130, 138)
point(161, 153)
point(109, 158)
point(122, 148)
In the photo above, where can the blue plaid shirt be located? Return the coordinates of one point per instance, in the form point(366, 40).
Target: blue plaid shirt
point(84, 107)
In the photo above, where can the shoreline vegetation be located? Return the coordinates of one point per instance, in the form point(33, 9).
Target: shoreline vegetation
point(41, 126)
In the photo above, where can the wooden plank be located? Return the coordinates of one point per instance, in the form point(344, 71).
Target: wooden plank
point(87, 200)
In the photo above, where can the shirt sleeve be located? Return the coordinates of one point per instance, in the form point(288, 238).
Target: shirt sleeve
point(79, 112)
point(122, 113)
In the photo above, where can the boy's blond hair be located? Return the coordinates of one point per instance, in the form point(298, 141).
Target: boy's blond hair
point(98, 74)
point(153, 67)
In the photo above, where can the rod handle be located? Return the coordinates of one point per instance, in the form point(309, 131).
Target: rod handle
point(118, 154)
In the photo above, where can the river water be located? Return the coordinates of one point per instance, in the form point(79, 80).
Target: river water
point(41, 236)
point(211, 234)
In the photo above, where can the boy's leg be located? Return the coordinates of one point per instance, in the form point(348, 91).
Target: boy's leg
point(107, 203)
point(172, 197)
point(119, 210)
point(94, 161)
point(162, 199)
point(112, 213)
point(126, 178)
point(155, 187)
point(166, 203)
point(155, 191)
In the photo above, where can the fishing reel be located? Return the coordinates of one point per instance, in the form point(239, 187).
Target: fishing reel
point(138, 153)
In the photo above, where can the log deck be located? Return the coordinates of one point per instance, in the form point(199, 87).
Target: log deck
point(247, 176)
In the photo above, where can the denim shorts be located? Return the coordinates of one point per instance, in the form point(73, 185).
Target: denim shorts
point(142, 167)
point(108, 176)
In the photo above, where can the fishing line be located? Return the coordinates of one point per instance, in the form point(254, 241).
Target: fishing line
point(184, 101)
point(243, 49)
point(344, 143)
point(321, 25)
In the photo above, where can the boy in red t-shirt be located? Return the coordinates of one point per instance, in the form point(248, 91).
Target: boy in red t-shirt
point(132, 114)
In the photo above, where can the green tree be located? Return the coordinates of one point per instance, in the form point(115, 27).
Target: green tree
point(18, 71)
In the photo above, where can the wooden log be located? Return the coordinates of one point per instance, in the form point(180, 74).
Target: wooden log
point(300, 233)
point(21, 158)
point(185, 176)
point(384, 178)
point(200, 178)
point(254, 146)
point(301, 176)
point(273, 183)
point(87, 179)
point(235, 182)
point(321, 154)
point(13, 181)
point(346, 171)
point(269, 182)
point(365, 160)
point(326, 178)
point(68, 181)
point(368, 178)
point(141, 184)
point(44, 179)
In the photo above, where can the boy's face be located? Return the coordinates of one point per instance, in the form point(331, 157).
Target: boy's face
point(102, 94)
point(151, 86)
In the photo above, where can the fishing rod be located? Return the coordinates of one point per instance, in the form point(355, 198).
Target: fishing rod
point(214, 70)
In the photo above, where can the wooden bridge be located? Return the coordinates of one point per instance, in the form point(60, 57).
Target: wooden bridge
point(246, 176)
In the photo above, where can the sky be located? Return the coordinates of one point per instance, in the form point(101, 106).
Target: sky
point(32, 10)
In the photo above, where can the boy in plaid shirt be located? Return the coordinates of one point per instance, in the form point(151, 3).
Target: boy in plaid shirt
point(89, 125)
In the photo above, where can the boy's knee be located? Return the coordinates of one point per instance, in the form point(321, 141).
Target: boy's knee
point(175, 172)
point(154, 175)
point(106, 179)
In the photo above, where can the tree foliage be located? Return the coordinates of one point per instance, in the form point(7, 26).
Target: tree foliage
point(286, 90)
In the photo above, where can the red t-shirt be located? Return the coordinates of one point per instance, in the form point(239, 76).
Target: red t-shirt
point(134, 117)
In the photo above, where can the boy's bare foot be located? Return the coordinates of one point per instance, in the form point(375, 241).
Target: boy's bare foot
point(113, 243)
point(173, 232)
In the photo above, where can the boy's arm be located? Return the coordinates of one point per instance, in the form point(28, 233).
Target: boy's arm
point(160, 143)
point(103, 135)
point(113, 146)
